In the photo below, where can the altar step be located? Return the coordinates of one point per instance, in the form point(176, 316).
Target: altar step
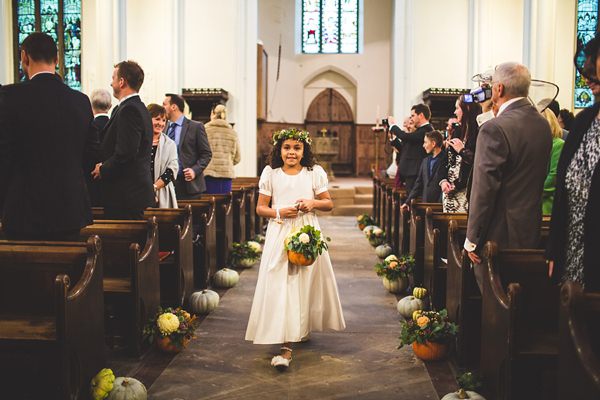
point(350, 201)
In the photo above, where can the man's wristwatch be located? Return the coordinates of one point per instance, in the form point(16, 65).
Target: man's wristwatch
point(155, 187)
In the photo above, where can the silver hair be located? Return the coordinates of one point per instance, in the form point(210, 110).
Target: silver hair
point(515, 77)
point(101, 100)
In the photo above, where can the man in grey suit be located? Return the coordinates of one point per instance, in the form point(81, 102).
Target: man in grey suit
point(511, 164)
point(193, 149)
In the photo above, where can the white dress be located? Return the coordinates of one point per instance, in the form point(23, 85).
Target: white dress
point(291, 301)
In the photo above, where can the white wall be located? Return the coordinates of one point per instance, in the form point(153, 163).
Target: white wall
point(6, 57)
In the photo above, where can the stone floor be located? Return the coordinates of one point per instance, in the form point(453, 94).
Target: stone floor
point(361, 362)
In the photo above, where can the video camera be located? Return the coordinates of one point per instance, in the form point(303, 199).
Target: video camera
point(479, 94)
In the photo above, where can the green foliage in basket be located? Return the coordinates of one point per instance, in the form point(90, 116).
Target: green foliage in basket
point(393, 267)
point(308, 241)
point(432, 326)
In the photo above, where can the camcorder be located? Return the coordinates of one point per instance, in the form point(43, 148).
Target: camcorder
point(385, 122)
point(479, 94)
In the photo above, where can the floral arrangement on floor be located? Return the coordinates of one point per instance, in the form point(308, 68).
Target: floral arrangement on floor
point(307, 241)
point(393, 267)
point(364, 220)
point(241, 253)
point(259, 239)
point(175, 324)
point(375, 236)
point(431, 326)
point(470, 380)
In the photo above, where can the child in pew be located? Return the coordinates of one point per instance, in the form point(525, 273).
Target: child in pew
point(433, 171)
point(289, 300)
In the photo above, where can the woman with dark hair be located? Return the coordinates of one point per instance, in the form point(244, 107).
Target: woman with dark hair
point(163, 164)
point(290, 300)
point(565, 119)
point(572, 250)
point(461, 153)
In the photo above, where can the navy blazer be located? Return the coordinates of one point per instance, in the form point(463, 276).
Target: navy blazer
point(428, 185)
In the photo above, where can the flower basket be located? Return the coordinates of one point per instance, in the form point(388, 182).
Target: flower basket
point(399, 285)
point(394, 269)
point(363, 220)
point(430, 351)
point(244, 255)
point(171, 328)
point(375, 236)
point(303, 246)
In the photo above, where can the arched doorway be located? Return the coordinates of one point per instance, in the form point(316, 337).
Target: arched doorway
point(330, 111)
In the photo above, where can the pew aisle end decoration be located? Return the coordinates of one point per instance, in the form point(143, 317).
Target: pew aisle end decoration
point(102, 384)
point(305, 245)
point(395, 271)
point(171, 329)
point(468, 382)
point(244, 255)
point(430, 334)
point(375, 236)
point(383, 250)
point(364, 220)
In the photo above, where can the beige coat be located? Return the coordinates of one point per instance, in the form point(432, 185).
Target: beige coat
point(225, 149)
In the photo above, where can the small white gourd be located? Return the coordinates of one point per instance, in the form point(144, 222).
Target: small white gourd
point(204, 301)
point(226, 278)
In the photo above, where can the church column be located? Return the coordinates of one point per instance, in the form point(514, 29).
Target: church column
point(243, 104)
point(6, 66)
point(402, 58)
point(539, 38)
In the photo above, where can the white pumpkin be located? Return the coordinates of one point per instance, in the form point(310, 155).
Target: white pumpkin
point(463, 394)
point(409, 304)
point(383, 251)
point(245, 263)
point(204, 301)
point(369, 228)
point(396, 286)
point(391, 257)
point(255, 245)
point(226, 278)
point(127, 389)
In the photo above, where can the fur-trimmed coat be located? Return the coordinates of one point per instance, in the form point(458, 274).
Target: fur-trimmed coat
point(225, 149)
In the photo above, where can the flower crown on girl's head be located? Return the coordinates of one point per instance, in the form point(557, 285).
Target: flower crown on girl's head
point(292, 133)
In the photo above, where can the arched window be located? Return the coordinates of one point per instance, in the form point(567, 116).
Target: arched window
point(330, 26)
point(587, 25)
point(60, 19)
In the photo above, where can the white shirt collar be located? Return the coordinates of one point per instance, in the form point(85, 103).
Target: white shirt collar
point(506, 104)
point(101, 115)
point(42, 72)
point(127, 97)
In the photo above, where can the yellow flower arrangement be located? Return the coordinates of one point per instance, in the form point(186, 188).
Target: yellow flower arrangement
point(167, 323)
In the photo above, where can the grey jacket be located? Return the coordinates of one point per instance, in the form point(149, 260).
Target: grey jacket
point(194, 152)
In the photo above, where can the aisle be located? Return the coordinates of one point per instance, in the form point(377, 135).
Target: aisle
point(361, 362)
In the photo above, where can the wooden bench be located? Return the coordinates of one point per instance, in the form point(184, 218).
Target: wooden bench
point(177, 269)
point(51, 318)
point(400, 218)
point(253, 221)
point(417, 236)
point(519, 331)
point(384, 183)
point(434, 250)
point(239, 213)
point(579, 351)
point(131, 276)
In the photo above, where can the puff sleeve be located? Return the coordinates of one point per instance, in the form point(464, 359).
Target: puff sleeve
point(265, 184)
point(320, 181)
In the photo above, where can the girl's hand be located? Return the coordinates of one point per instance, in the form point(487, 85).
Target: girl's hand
point(305, 205)
point(457, 144)
point(288, 212)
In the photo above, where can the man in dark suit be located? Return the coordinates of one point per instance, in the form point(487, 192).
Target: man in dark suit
point(433, 170)
point(45, 132)
point(126, 149)
point(410, 145)
point(193, 149)
point(101, 104)
point(510, 167)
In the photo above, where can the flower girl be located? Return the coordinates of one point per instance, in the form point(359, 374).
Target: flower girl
point(290, 300)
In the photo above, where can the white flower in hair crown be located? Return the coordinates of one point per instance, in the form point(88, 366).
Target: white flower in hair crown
point(292, 133)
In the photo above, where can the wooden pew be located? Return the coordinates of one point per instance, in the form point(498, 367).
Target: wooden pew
point(389, 216)
point(239, 213)
point(417, 236)
point(400, 218)
point(434, 249)
point(375, 198)
point(579, 352)
point(254, 223)
point(383, 200)
point(131, 276)
point(519, 332)
point(51, 318)
point(204, 221)
point(176, 270)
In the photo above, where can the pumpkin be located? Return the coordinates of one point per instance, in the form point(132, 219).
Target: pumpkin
point(396, 286)
point(416, 314)
point(419, 292)
point(204, 301)
point(226, 278)
point(127, 389)
point(361, 226)
point(383, 251)
point(463, 394)
point(299, 259)
point(101, 384)
point(245, 262)
point(408, 305)
point(369, 228)
point(376, 241)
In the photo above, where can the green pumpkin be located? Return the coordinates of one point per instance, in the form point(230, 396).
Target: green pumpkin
point(101, 384)
point(408, 305)
point(396, 286)
point(383, 251)
point(127, 389)
point(226, 278)
point(204, 301)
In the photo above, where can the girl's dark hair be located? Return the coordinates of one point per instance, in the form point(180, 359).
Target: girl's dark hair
point(275, 161)
point(567, 118)
point(468, 123)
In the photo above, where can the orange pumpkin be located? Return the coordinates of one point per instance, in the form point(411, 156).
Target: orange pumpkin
point(361, 226)
point(164, 343)
point(299, 259)
point(429, 350)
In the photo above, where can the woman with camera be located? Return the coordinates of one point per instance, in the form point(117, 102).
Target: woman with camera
point(461, 152)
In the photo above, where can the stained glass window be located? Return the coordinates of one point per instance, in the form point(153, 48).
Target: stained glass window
point(61, 19)
point(587, 23)
point(329, 26)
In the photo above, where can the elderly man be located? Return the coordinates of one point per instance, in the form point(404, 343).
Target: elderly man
point(101, 104)
point(511, 164)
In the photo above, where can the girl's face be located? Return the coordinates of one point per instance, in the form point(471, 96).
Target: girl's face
point(458, 111)
point(292, 152)
point(158, 123)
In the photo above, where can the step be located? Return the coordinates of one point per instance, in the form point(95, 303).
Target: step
point(343, 201)
point(341, 193)
point(363, 199)
point(364, 190)
point(352, 210)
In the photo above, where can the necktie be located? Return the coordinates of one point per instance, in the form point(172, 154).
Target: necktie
point(171, 131)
